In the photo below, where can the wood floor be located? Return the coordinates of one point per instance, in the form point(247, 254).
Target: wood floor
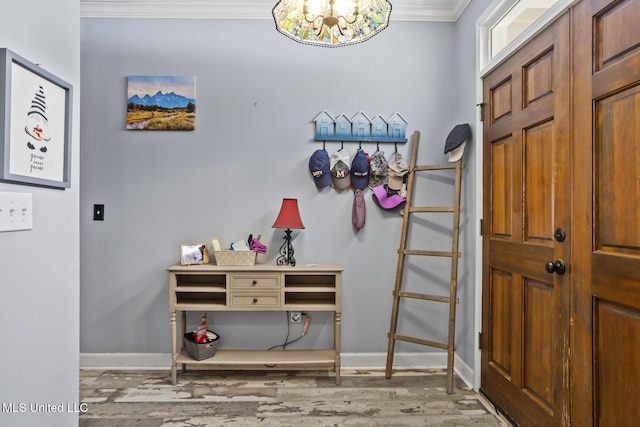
point(310, 399)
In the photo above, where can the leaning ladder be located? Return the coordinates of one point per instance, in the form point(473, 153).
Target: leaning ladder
point(403, 251)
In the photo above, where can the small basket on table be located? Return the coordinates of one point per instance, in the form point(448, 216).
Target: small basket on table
point(228, 257)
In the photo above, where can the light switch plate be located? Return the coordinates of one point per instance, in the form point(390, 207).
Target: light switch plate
point(16, 211)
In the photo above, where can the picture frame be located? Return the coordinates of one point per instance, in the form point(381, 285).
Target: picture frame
point(35, 124)
point(161, 103)
point(194, 253)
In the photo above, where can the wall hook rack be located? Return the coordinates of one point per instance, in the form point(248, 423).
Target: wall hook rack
point(360, 128)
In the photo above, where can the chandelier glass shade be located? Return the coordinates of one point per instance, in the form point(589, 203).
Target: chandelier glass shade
point(331, 23)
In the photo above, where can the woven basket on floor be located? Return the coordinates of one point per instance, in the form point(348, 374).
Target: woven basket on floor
point(200, 351)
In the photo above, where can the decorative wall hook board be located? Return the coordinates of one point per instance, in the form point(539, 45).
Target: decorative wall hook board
point(360, 128)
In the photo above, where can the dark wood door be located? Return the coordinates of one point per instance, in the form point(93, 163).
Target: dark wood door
point(606, 272)
point(526, 149)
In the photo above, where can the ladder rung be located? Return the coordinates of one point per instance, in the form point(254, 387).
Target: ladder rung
point(436, 167)
point(425, 297)
point(428, 253)
point(431, 209)
point(421, 341)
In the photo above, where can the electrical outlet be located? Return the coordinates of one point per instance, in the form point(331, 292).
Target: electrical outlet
point(295, 317)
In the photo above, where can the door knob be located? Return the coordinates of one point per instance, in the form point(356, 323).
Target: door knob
point(560, 235)
point(558, 266)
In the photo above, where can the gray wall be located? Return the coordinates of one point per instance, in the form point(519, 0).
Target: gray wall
point(466, 111)
point(257, 94)
point(39, 268)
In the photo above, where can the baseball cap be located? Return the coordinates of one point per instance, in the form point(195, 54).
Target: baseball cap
point(340, 172)
point(378, 169)
point(397, 170)
point(456, 141)
point(386, 201)
point(360, 170)
point(319, 167)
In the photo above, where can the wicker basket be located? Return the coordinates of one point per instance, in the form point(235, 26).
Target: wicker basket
point(200, 351)
point(235, 257)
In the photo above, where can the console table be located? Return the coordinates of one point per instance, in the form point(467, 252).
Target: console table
point(261, 287)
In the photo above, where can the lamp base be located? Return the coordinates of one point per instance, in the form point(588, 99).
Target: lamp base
point(286, 251)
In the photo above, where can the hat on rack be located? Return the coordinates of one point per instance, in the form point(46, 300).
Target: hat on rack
point(397, 170)
point(340, 172)
point(319, 167)
point(378, 169)
point(386, 201)
point(360, 170)
point(456, 141)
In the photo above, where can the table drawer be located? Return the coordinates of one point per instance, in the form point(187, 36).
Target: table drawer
point(253, 281)
point(255, 300)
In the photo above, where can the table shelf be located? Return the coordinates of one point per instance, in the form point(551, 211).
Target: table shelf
point(259, 288)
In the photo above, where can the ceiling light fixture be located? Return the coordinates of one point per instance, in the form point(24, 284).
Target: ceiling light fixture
point(331, 23)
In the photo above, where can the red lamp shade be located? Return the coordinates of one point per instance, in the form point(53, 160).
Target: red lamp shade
point(289, 216)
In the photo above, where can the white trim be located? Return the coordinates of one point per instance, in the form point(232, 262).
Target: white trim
point(407, 10)
point(372, 361)
point(493, 14)
point(125, 361)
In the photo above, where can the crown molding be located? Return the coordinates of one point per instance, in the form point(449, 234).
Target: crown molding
point(402, 10)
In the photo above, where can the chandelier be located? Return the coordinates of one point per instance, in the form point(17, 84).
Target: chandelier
point(331, 23)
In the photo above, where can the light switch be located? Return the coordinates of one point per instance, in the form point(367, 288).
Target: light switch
point(16, 211)
point(98, 212)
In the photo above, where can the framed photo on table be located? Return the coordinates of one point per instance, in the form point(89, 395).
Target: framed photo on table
point(194, 253)
point(35, 124)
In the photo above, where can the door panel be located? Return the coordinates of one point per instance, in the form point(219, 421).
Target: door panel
point(526, 181)
point(606, 285)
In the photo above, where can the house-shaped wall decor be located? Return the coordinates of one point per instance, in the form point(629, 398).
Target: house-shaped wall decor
point(343, 128)
point(325, 125)
point(361, 126)
point(379, 128)
point(397, 126)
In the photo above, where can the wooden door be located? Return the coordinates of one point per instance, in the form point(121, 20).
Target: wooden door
point(526, 149)
point(606, 272)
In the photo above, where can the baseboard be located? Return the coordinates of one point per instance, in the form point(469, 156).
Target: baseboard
point(374, 361)
point(134, 361)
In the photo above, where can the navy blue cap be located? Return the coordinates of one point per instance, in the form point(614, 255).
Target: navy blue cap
point(319, 167)
point(360, 170)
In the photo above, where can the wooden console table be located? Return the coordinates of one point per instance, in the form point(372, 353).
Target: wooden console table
point(262, 287)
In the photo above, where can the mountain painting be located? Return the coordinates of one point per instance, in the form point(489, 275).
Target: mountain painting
point(161, 102)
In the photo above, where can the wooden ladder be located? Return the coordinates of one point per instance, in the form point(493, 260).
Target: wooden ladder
point(403, 251)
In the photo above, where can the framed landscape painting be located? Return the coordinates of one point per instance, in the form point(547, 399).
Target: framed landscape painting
point(35, 124)
point(161, 102)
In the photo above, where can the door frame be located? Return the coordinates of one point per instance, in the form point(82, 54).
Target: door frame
point(484, 64)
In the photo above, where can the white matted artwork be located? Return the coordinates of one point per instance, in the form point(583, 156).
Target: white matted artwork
point(35, 118)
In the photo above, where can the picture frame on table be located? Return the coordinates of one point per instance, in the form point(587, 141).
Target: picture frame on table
point(194, 253)
point(35, 124)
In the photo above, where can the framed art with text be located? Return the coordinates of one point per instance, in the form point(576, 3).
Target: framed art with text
point(35, 121)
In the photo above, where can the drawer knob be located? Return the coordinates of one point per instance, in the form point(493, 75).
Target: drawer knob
point(255, 300)
point(254, 282)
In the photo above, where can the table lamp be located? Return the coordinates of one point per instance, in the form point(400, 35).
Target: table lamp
point(288, 218)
